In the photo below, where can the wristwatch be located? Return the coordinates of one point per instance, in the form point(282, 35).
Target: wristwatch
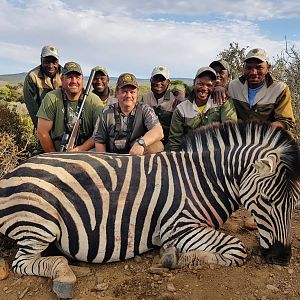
point(141, 142)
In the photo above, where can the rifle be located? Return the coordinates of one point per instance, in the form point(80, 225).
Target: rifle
point(68, 141)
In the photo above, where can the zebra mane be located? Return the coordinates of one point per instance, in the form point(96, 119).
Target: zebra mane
point(231, 135)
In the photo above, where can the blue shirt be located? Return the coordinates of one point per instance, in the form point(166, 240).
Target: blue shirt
point(252, 93)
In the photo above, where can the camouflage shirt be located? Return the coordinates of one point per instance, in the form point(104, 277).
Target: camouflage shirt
point(113, 125)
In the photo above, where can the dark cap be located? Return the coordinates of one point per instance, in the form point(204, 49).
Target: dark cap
point(71, 66)
point(126, 79)
point(206, 70)
point(221, 62)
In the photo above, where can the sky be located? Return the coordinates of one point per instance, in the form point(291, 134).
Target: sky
point(135, 36)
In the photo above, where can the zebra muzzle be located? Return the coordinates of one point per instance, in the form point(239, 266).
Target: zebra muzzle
point(277, 254)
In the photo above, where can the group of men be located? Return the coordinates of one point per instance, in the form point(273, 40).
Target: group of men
point(119, 123)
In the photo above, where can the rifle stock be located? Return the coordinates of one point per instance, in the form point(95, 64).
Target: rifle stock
point(73, 137)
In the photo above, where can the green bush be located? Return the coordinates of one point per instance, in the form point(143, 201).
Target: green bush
point(17, 141)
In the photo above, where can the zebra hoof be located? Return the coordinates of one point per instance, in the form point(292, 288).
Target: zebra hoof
point(63, 290)
point(169, 258)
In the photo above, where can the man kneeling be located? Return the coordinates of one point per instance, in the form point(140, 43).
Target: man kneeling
point(128, 126)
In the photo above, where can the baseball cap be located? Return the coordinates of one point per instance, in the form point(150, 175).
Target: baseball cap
point(101, 70)
point(126, 79)
point(206, 69)
point(178, 88)
point(50, 51)
point(257, 53)
point(161, 70)
point(221, 62)
point(71, 66)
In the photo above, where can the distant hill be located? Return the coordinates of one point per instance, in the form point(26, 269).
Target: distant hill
point(13, 79)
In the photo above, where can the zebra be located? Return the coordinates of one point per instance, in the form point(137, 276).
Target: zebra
point(101, 207)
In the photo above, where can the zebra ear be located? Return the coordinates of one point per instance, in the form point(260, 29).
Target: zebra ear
point(266, 166)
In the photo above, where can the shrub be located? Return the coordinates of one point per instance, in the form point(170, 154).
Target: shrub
point(17, 141)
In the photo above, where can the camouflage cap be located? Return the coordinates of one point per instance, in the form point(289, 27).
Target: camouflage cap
point(178, 88)
point(161, 70)
point(101, 70)
point(126, 79)
point(257, 53)
point(49, 51)
point(206, 70)
point(221, 62)
point(71, 66)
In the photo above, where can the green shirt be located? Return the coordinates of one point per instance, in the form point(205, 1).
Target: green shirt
point(187, 117)
point(52, 109)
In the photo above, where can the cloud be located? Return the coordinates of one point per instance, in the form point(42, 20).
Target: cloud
point(250, 9)
point(123, 37)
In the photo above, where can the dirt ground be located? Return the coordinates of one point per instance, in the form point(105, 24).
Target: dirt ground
point(132, 279)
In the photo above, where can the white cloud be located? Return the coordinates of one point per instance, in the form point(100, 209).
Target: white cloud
point(252, 9)
point(107, 33)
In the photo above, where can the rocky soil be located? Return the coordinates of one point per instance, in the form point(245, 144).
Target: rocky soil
point(137, 279)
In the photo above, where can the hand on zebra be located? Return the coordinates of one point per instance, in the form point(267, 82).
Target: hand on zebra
point(136, 149)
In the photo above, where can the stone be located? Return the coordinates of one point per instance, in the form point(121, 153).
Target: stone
point(272, 288)
point(101, 287)
point(81, 271)
point(171, 287)
point(137, 259)
point(23, 293)
point(157, 270)
point(4, 269)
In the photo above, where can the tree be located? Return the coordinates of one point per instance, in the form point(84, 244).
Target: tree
point(287, 69)
point(235, 56)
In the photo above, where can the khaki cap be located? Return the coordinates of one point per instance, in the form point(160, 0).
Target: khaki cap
point(161, 70)
point(178, 88)
point(206, 69)
point(257, 53)
point(101, 70)
point(221, 62)
point(49, 51)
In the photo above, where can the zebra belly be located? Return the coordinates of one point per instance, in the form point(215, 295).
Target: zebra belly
point(106, 245)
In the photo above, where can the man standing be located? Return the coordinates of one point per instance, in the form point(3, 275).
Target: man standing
point(100, 85)
point(199, 110)
point(257, 96)
point(128, 126)
point(40, 80)
point(161, 98)
point(58, 112)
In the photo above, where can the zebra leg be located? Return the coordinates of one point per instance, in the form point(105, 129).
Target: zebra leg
point(28, 261)
point(207, 245)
